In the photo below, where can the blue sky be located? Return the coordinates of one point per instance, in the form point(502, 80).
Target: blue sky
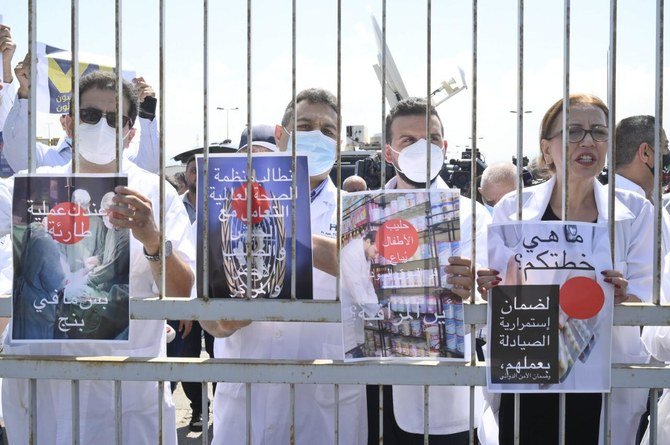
point(361, 93)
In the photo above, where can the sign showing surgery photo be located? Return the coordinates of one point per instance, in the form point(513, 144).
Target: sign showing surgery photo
point(251, 256)
point(393, 285)
point(550, 319)
point(70, 264)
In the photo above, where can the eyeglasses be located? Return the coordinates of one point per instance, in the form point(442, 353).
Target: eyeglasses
point(93, 115)
point(576, 134)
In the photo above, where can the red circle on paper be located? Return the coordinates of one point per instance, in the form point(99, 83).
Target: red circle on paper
point(581, 298)
point(397, 240)
point(260, 202)
point(67, 222)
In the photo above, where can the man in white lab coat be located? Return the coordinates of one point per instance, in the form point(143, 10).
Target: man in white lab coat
point(406, 151)
point(317, 132)
point(15, 128)
point(139, 213)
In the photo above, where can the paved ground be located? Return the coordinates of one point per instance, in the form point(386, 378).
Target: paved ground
point(184, 435)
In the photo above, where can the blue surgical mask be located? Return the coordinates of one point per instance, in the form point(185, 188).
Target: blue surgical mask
point(489, 208)
point(319, 148)
point(68, 141)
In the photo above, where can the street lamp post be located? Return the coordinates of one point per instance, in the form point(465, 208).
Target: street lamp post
point(227, 110)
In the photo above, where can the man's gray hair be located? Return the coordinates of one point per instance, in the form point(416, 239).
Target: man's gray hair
point(630, 133)
point(312, 95)
point(502, 172)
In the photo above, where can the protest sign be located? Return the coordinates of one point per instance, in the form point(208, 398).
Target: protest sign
point(271, 222)
point(396, 302)
point(71, 267)
point(550, 320)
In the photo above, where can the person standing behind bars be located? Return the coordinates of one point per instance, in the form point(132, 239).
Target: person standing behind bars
point(138, 212)
point(631, 277)
point(449, 405)
point(317, 132)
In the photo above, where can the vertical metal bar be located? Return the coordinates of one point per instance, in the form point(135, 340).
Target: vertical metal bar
point(205, 413)
point(339, 152)
point(118, 412)
point(426, 420)
point(566, 107)
point(32, 96)
point(161, 154)
point(336, 391)
point(658, 128)
point(471, 426)
point(519, 110)
point(653, 417)
point(75, 412)
point(74, 97)
point(428, 99)
point(611, 123)
point(381, 409)
point(249, 155)
point(32, 413)
point(294, 185)
point(607, 414)
point(473, 209)
point(517, 418)
point(161, 408)
point(561, 419)
point(384, 135)
point(247, 391)
point(205, 149)
point(292, 402)
point(119, 83)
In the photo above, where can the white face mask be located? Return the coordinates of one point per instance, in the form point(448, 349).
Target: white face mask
point(319, 148)
point(412, 161)
point(97, 143)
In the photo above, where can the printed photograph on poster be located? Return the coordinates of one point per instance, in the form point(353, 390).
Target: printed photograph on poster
point(550, 319)
point(71, 266)
point(272, 199)
point(395, 299)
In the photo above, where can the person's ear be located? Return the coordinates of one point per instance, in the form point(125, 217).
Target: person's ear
point(544, 147)
point(445, 145)
point(479, 190)
point(643, 153)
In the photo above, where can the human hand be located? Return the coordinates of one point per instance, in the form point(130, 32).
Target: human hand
point(185, 327)
point(22, 73)
point(616, 279)
point(143, 88)
point(486, 280)
point(7, 47)
point(459, 275)
point(134, 211)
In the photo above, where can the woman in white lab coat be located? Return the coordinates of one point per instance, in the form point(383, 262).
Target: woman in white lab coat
point(631, 277)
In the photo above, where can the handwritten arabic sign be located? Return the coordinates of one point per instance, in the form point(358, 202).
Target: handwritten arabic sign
point(268, 237)
point(396, 302)
point(71, 268)
point(550, 321)
point(524, 343)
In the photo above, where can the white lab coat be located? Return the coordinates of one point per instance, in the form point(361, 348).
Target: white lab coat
point(633, 258)
point(314, 404)
point(449, 411)
point(15, 134)
point(146, 339)
point(357, 291)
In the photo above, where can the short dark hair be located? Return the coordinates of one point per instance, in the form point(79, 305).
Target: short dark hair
point(313, 96)
point(630, 133)
point(371, 236)
point(412, 106)
point(106, 80)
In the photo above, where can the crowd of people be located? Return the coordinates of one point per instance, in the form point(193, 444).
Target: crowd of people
point(135, 207)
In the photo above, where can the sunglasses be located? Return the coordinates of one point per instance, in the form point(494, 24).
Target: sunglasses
point(93, 115)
